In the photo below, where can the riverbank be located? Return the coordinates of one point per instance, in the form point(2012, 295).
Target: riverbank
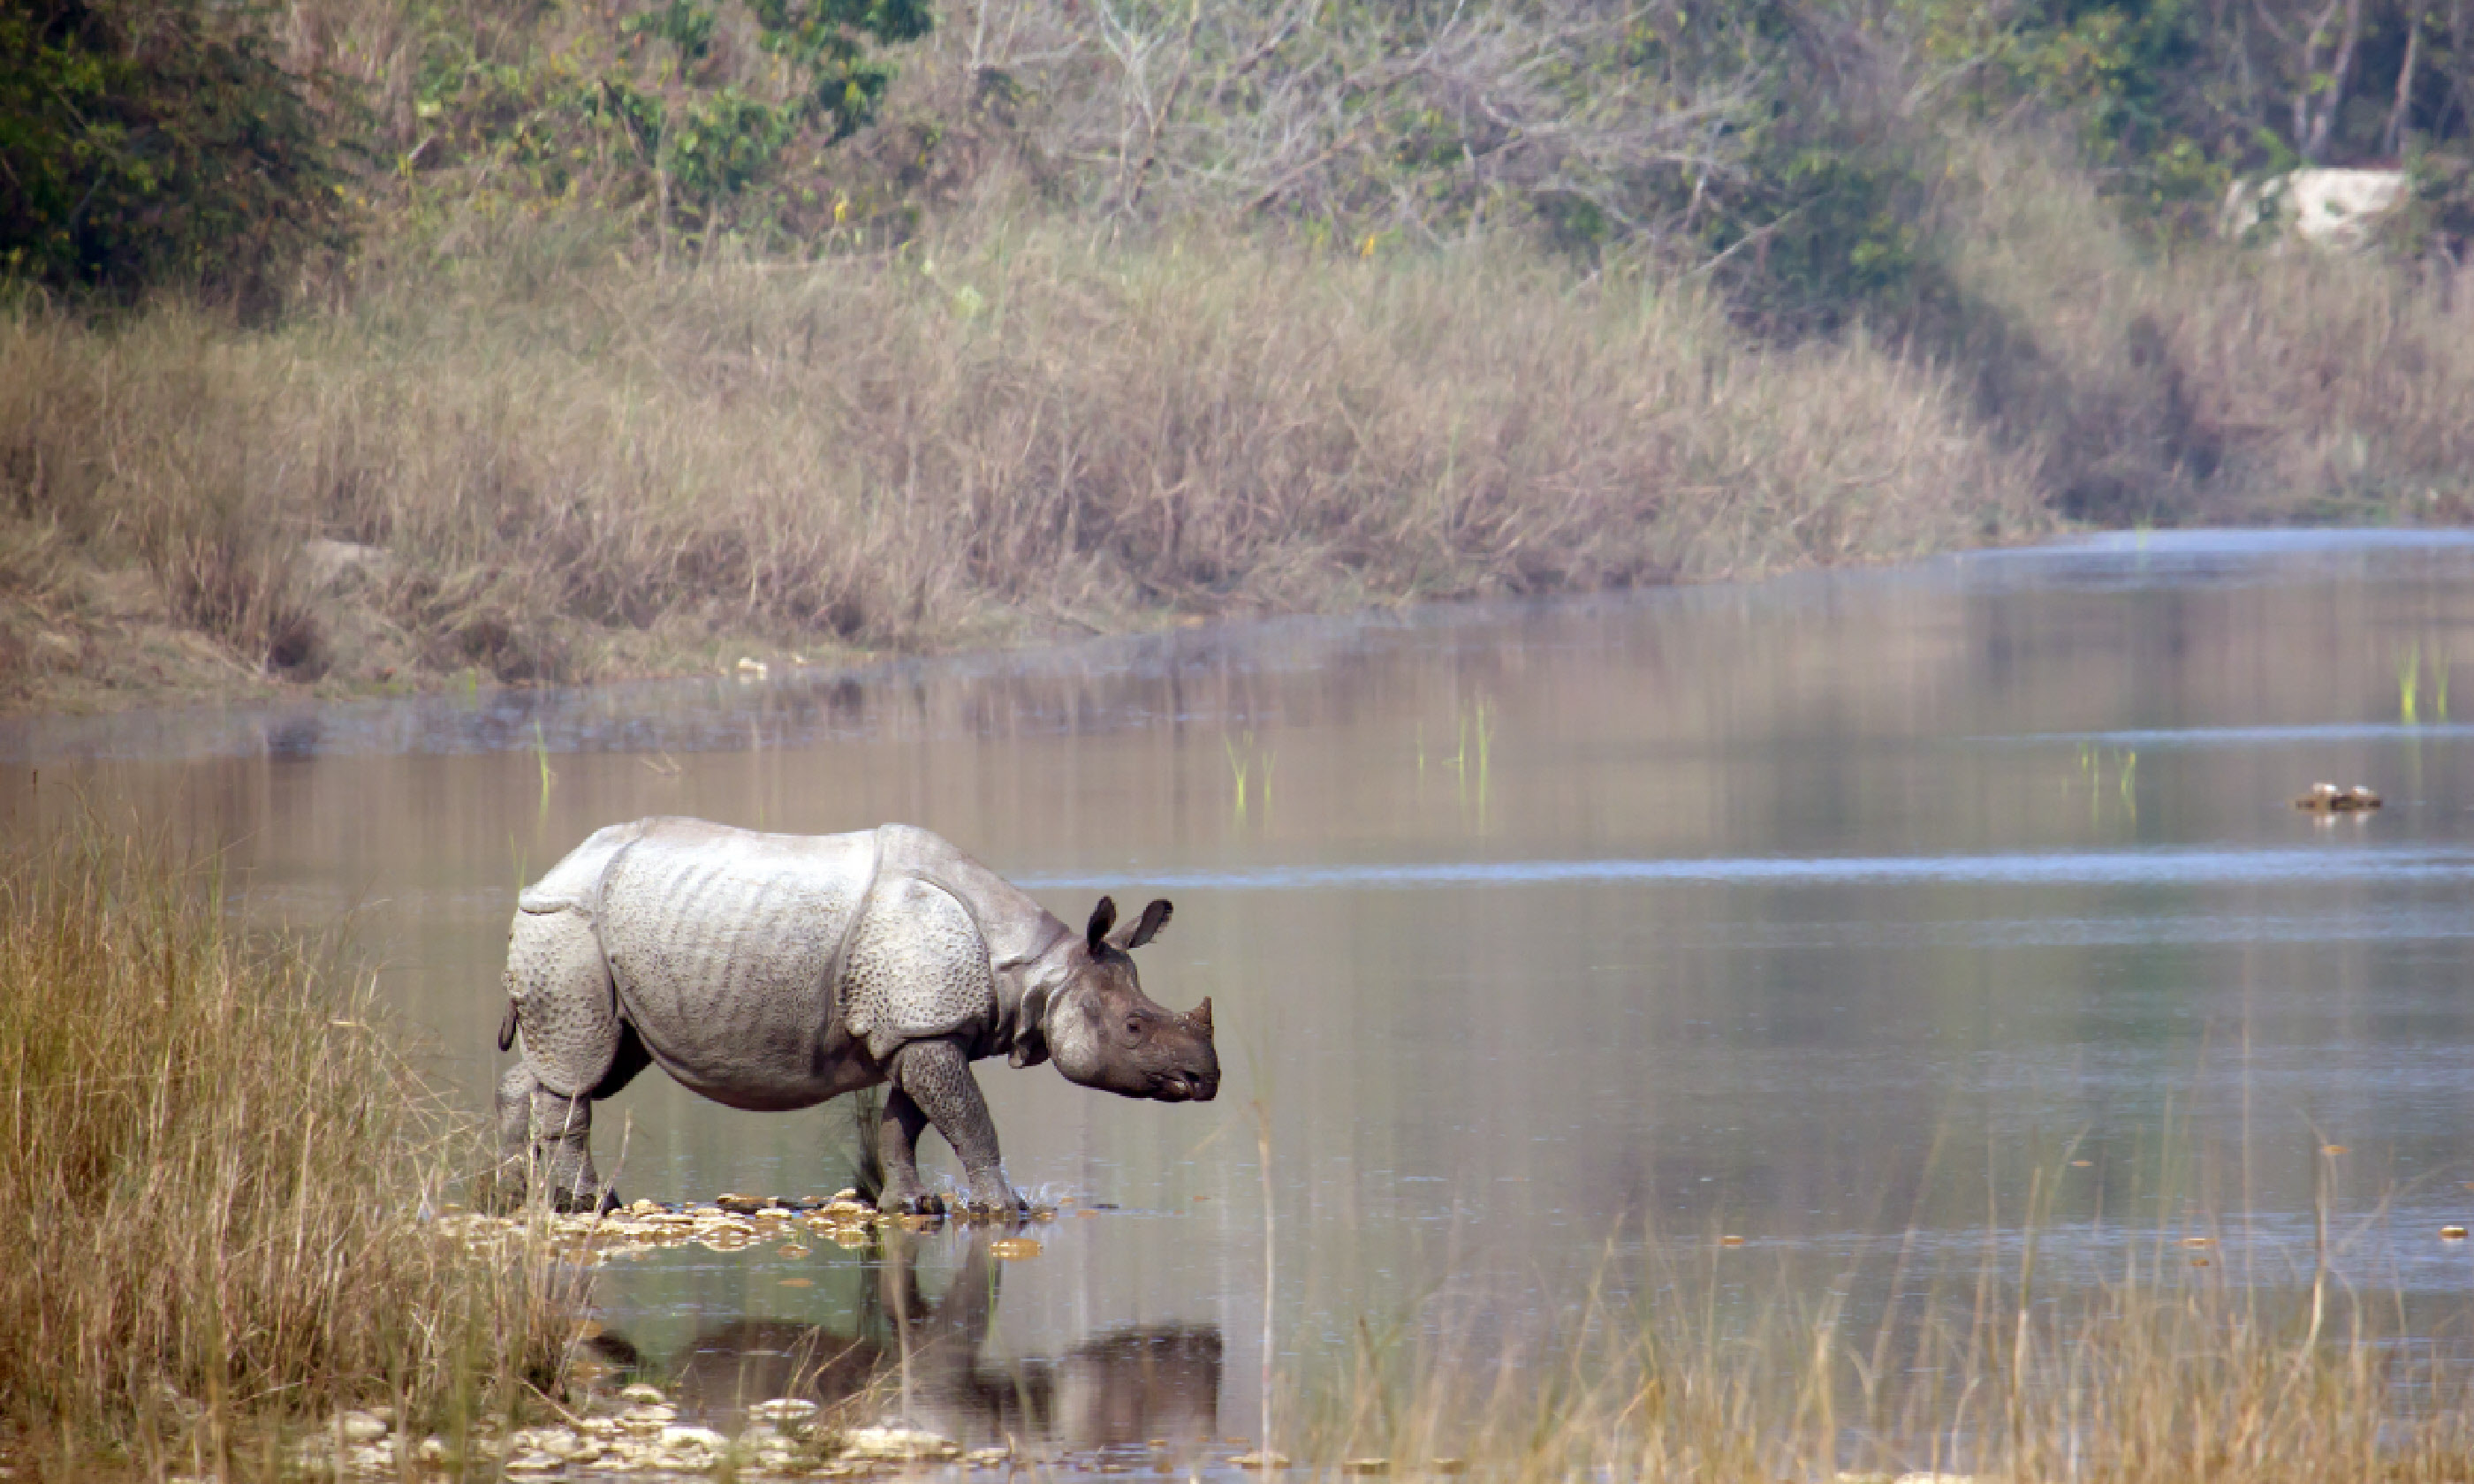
point(539, 463)
point(540, 470)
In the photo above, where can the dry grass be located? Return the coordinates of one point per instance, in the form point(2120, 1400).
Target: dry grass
point(2212, 384)
point(212, 1161)
point(1713, 1364)
point(570, 463)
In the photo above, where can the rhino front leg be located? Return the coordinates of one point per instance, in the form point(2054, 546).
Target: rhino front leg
point(932, 1084)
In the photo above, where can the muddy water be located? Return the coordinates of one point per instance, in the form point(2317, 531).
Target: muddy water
point(1911, 911)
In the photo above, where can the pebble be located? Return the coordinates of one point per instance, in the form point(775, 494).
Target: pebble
point(791, 1410)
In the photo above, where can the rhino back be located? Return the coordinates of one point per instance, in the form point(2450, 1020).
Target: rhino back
point(721, 943)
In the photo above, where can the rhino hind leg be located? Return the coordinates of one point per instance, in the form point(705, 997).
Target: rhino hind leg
point(565, 1003)
point(505, 1190)
point(562, 1153)
point(576, 1049)
point(545, 1148)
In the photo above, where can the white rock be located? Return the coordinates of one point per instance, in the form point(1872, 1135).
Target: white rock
point(902, 1444)
point(360, 1426)
point(640, 1392)
point(785, 1409)
point(2339, 211)
point(556, 1442)
point(675, 1438)
point(331, 562)
point(532, 1463)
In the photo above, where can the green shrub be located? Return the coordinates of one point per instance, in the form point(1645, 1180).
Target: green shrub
point(153, 143)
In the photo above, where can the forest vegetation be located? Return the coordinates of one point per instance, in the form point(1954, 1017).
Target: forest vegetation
point(374, 343)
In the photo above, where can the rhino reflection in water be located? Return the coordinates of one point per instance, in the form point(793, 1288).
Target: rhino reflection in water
point(776, 971)
point(1128, 1386)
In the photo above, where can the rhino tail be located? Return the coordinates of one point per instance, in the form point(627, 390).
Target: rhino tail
point(507, 1026)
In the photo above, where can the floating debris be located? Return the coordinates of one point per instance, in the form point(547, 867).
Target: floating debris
point(2329, 798)
point(1014, 1249)
point(2198, 1241)
point(1731, 1239)
point(1448, 1465)
point(1366, 1466)
point(1266, 1459)
point(2452, 1233)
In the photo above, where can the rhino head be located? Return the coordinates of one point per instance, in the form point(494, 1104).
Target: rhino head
point(1105, 1032)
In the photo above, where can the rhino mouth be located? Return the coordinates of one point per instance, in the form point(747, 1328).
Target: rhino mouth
point(1181, 1087)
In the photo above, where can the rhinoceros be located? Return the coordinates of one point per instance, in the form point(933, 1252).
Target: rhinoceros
point(771, 971)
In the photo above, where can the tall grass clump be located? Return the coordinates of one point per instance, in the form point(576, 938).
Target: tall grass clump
point(212, 1165)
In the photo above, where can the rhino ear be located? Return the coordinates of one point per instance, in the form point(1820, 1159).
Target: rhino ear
point(1155, 917)
point(1102, 918)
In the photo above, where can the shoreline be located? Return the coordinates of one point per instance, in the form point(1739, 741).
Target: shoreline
point(209, 679)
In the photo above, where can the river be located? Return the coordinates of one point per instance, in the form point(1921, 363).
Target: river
point(1884, 920)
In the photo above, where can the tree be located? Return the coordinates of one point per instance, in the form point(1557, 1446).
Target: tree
point(143, 143)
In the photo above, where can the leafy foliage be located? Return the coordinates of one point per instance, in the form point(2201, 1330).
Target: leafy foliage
point(143, 143)
point(693, 108)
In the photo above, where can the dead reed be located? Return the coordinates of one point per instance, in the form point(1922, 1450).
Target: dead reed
point(1708, 1362)
point(565, 466)
point(212, 1165)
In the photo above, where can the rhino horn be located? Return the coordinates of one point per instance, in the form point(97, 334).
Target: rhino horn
point(1203, 1015)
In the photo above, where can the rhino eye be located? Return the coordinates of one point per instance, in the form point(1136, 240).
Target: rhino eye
point(1134, 1028)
